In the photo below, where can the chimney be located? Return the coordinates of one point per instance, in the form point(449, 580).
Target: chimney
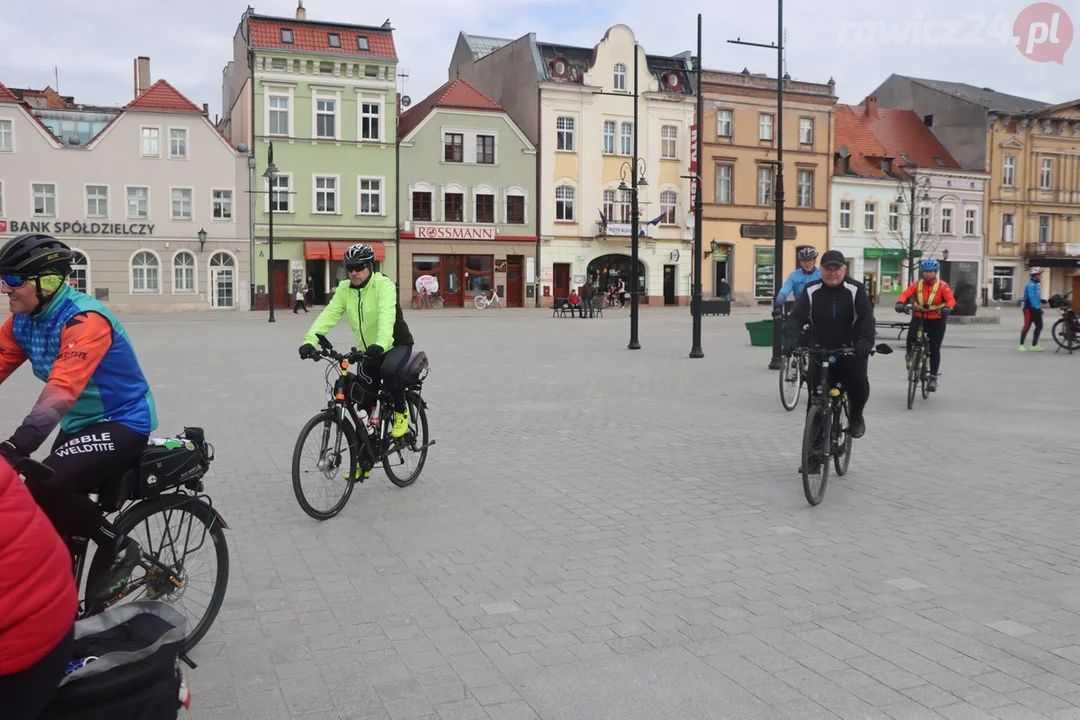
point(142, 74)
point(206, 109)
point(871, 107)
point(301, 13)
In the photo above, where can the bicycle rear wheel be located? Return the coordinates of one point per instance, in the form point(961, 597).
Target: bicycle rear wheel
point(334, 460)
point(924, 378)
point(405, 457)
point(416, 303)
point(437, 302)
point(815, 455)
point(913, 376)
point(842, 438)
point(790, 382)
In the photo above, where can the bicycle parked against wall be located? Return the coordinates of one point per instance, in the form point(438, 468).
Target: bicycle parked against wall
point(349, 442)
point(1066, 331)
point(482, 300)
point(825, 432)
point(426, 299)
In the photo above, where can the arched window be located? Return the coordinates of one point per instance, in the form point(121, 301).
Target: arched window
point(620, 76)
point(144, 272)
point(564, 203)
point(669, 202)
point(222, 280)
point(80, 272)
point(183, 272)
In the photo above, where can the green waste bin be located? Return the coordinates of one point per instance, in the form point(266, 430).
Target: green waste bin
point(761, 332)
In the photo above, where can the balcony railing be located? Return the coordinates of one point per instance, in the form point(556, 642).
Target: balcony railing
point(1052, 250)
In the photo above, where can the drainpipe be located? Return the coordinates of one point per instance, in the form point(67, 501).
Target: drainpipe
point(246, 25)
point(536, 188)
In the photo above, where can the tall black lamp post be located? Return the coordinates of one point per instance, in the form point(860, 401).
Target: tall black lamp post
point(270, 174)
point(637, 171)
point(695, 297)
point(778, 191)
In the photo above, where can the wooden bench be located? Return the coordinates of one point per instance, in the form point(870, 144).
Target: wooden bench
point(562, 308)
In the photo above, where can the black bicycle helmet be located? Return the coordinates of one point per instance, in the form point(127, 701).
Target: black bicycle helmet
point(807, 253)
point(34, 255)
point(360, 254)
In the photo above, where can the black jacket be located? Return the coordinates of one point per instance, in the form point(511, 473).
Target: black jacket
point(838, 316)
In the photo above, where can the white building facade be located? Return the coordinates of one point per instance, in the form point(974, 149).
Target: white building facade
point(155, 204)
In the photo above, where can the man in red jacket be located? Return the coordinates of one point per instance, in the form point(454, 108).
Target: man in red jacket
point(38, 602)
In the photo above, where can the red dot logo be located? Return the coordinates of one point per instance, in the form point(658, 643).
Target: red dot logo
point(1043, 32)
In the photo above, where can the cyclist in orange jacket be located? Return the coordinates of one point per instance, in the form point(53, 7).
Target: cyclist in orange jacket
point(934, 302)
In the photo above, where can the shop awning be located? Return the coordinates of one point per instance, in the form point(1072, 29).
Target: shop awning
point(338, 248)
point(316, 250)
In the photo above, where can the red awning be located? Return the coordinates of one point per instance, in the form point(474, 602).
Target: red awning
point(338, 248)
point(316, 250)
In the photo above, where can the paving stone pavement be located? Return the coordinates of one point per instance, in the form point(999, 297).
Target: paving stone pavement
point(609, 534)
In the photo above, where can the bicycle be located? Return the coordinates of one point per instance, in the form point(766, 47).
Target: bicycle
point(825, 432)
point(1066, 331)
point(793, 370)
point(918, 362)
point(167, 479)
point(426, 299)
point(355, 441)
point(611, 301)
point(482, 300)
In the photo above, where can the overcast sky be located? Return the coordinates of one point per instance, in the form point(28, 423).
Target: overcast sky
point(91, 44)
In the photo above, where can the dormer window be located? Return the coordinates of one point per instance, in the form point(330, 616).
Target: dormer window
point(362, 43)
point(620, 76)
point(333, 40)
point(672, 81)
point(842, 163)
point(559, 68)
point(886, 165)
point(286, 36)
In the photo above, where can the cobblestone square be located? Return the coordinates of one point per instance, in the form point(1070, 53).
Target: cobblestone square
point(618, 535)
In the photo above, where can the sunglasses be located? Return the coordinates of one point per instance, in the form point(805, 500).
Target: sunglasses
point(14, 281)
point(355, 268)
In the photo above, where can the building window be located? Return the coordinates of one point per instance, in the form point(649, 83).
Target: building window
point(946, 221)
point(515, 209)
point(894, 217)
point(669, 142)
point(144, 272)
point(178, 143)
point(806, 131)
point(805, 189)
point(969, 222)
point(723, 123)
point(764, 186)
point(454, 147)
point(97, 201)
point(485, 149)
point(183, 272)
point(138, 203)
point(454, 207)
point(181, 203)
point(7, 141)
point(620, 76)
point(925, 217)
point(44, 199)
point(845, 214)
point(80, 272)
point(724, 186)
point(564, 134)
point(669, 200)
point(624, 206)
point(1003, 283)
point(609, 205)
point(326, 194)
point(1044, 229)
point(370, 114)
point(286, 36)
point(627, 138)
point(222, 201)
point(280, 197)
point(1008, 170)
point(485, 208)
point(325, 118)
point(421, 206)
point(362, 43)
point(765, 126)
point(870, 216)
point(333, 40)
point(564, 203)
point(370, 200)
point(609, 137)
point(1007, 228)
point(1046, 174)
point(279, 115)
point(149, 145)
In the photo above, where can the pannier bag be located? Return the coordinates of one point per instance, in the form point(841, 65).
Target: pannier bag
point(170, 462)
point(125, 664)
point(417, 368)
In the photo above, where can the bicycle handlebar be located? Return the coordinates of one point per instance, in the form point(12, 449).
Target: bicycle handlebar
point(325, 351)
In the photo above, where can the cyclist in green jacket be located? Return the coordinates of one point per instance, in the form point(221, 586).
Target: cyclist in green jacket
point(369, 300)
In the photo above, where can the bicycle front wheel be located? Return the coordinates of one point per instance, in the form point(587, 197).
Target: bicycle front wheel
point(405, 457)
point(417, 303)
point(815, 455)
point(913, 376)
point(437, 302)
point(326, 453)
point(790, 382)
point(842, 438)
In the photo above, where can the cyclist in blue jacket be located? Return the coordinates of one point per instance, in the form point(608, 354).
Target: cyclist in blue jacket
point(1033, 310)
point(798, 279)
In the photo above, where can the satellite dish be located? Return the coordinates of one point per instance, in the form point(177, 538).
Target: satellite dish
point(406, 101)
point(844, 152)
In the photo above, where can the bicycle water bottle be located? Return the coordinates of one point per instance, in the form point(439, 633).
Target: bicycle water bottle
point(363, 416)
point(374, 420)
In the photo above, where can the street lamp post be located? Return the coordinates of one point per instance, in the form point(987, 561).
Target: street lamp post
point(271, 174)
point(695, 297)
point(778, 190)
point(637, 180)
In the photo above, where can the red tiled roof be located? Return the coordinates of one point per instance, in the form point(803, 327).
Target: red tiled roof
point(312, 37)
point(163, 97)
point(865, 151)
point(902, 132)
point(456, 94)
point(6, 94)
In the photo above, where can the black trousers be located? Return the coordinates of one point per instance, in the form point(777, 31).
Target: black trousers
point(935, 334)
point(851, 373)
point(389, 369)
point(81, 463)
point(24, 695)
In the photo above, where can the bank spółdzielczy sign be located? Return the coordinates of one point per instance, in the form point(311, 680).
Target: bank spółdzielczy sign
point(57, 227)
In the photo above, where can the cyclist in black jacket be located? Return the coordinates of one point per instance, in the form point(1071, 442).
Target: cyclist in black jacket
point(839, 313)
